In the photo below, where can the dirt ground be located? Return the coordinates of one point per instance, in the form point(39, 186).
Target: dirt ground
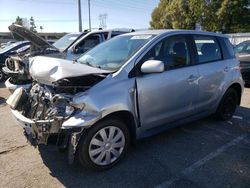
point(205, 153)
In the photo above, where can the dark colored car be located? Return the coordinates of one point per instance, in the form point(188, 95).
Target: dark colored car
point(8, 51)
point(242, 51)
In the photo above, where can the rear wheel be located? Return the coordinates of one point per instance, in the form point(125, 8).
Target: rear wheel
point(227, 105)
point(104, 145)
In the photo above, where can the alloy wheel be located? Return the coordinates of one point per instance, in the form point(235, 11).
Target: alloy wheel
point(106, 145)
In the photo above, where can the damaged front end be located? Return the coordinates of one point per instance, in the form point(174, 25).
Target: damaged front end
point(16, 68)
point(47, 112)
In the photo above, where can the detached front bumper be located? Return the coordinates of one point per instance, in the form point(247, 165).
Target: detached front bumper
point(12, 87)
point(39, 131)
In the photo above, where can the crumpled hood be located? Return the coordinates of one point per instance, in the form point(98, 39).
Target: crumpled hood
point(30, 36)
point(47, 70)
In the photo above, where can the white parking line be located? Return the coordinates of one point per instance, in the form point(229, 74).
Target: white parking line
point(238, 117)
point(201, 162)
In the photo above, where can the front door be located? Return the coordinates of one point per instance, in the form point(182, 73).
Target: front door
point(170, 95)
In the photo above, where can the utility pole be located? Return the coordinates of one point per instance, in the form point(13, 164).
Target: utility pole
point(80, 15)
point(89, 16)
point(103, 22)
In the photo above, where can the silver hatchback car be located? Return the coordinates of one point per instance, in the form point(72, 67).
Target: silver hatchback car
point(129, 87)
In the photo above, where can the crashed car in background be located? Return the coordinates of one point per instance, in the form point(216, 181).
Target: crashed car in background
point(129, 87)
point(68, 47)
point(9, 50)
point(16, 66)
point(242, 51)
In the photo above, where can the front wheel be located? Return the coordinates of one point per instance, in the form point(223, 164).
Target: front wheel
point(227, 105)
point(103, 145)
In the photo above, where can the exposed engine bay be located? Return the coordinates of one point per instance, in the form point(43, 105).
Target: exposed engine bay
point(47, 107)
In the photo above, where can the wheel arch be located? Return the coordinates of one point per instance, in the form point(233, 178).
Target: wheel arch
point(127, 118)
point(237, 87)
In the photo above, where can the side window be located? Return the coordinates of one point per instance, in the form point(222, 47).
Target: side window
point(207, 48)
point(227, 48)
point(89, 43)
point(106, 35)
point(173, 51)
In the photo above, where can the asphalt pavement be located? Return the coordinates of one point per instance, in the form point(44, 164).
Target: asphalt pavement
point(205, 153)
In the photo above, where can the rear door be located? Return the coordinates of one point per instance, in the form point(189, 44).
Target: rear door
point(213, 70)
point(170, 95)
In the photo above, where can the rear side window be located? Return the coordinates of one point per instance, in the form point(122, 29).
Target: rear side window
point(227, 48)
point(208, 49)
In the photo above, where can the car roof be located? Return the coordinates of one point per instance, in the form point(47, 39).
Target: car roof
point(174, 31)
point(109, 30)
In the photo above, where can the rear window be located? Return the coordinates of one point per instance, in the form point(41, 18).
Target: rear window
point(208, 49)
point(227, 48)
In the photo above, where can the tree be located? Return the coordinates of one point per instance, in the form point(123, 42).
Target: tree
point(234, 16)
point(41, 28)
point(159, 17)
point(225, 16)
point(19, 21)
point(210, 20)
point(32, 24)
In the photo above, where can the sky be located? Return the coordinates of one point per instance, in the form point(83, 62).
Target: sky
point(62, 15)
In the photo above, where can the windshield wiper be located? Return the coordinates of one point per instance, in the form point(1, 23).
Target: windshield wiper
point(91, 65)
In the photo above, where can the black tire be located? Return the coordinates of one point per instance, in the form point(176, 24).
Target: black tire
point(83, 153)
point(2, 76)
point(227, 105)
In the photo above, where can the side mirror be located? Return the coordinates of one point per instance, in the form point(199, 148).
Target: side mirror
point(152, 66)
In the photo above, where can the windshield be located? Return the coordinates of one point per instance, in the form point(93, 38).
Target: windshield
point(9, 47)
point(243, 47)
point(65, 41)
point(112, 54)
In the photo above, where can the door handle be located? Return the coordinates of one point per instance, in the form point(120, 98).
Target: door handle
point(227, 69)
point(192, 78)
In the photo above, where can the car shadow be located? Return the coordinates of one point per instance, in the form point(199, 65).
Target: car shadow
point(152, 160)
point(247, 85)
point(2, 101)
point(2, 84)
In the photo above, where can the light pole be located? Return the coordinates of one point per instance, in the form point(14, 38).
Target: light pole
point(89, 16)
point(79, 15)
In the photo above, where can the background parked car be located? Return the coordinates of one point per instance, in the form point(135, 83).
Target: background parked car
point(67, 40)
point(242, 51)
point(69, 47)
point(3, 45)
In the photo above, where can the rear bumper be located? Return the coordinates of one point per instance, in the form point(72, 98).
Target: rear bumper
point(11, 87)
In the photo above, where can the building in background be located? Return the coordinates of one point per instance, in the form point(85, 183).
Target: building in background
point(237, 38)
point(7, 36)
